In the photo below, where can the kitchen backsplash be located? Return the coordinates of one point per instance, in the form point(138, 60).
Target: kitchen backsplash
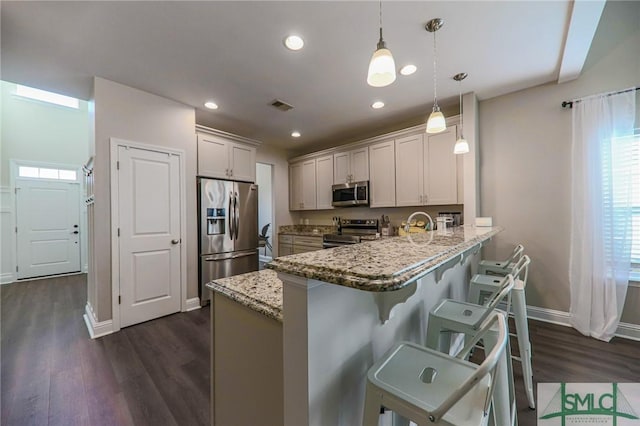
point(396, 214)
point(315, 228)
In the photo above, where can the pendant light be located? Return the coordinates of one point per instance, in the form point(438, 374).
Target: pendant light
point(436, 122)
point(382, 68)
point(461, 146)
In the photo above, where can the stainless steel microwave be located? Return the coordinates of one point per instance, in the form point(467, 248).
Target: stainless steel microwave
point(350, 194)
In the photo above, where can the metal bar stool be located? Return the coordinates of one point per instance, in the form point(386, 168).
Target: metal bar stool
point(451, 316)
point(430, 387)
point(501, 267)
point(480, 285)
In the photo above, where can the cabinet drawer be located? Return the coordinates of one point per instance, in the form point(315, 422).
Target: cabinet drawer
point(297, 249)
point(288, 239)
point(307, 241)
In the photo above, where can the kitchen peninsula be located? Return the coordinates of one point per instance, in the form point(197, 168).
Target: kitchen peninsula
point(343, 308)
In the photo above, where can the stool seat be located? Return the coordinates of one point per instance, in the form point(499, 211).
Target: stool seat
point(468, 314)
point(402, 373)
point(501, 267)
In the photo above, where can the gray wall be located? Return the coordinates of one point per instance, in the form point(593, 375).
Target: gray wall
point(525, 153)
point(126, 113)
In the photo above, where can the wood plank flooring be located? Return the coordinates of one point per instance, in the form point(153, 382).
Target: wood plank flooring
point(157, 373)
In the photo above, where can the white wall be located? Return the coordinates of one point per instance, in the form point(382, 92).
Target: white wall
point(35, 131)
point(264, 174)
point(525, 153)
point(126, 113)
point(278, 158)
point(39, 131)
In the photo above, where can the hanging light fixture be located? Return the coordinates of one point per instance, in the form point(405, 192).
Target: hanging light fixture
point(436, 122)
point(382, 68)
point(461, 146)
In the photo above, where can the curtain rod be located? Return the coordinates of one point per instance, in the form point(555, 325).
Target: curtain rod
point(570, 103)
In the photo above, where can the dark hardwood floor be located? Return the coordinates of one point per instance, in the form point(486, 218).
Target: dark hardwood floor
point(157, 373)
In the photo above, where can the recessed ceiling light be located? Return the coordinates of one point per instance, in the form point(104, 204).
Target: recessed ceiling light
point(211, 105)
point(377, 105)
point(408, 69)
point(295, 134)
point(294, 42)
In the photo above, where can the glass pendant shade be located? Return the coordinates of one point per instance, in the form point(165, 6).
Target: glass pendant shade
point(461, 146)
point(382, 68)
point(436, 122)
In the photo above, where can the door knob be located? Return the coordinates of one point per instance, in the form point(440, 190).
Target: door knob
point(175, 241)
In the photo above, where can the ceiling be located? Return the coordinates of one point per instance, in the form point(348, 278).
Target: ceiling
point(233, 53)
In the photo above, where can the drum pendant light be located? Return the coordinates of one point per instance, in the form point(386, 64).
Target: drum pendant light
point(436, 122)
point(461, 146)
point(382, 68)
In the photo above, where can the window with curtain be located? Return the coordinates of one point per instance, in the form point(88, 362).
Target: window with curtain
point(635, 246)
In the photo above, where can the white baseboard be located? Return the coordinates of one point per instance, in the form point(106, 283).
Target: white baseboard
point(193, 304)
point(625, 330)
point(7, 278)
point(96, 329)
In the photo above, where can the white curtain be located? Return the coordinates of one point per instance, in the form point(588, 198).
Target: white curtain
point(601, 196)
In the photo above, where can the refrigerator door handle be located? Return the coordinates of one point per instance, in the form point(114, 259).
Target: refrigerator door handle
point(236, 212)
point(230, 215)
point(227, 256)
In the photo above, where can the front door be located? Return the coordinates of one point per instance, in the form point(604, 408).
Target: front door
point(48, 221)
point(149, 242)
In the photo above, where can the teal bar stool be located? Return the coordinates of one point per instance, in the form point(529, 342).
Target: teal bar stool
point(429, 387)
point(452, 316)
point(481, 285)
point(501, 267)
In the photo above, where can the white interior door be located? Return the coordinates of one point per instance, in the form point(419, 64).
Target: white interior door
point(48, 221)
point(149, 242)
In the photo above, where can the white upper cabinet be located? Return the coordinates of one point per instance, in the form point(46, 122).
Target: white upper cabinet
point(426, 169)
point(324, 180)
point(302, 185)
point(351, 166)
point(441, 183)
point(382, 174)
point(409, 170)
point(225, 159)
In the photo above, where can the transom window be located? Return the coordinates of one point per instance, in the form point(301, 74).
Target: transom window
point(47, 173)
point(44, 96)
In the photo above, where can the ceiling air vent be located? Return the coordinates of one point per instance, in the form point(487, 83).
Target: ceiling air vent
point(282, 106)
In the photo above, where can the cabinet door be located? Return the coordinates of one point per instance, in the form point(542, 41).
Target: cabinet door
point(242, 162)
point(341, 167)
point(409, 170)
point(295, 186)
point(382, 174)
point(285, 249)
point(441, 183)
point(359, 164)
point(309, 185)
point(324, 180)
point(213, 157)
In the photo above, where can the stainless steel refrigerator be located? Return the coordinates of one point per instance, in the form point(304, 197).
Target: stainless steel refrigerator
point(228, 218)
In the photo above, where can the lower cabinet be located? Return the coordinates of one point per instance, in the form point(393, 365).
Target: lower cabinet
point(296, 244)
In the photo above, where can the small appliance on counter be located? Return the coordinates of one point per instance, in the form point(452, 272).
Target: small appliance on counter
point(352, 231)
point(228, 243)
point(455, 218)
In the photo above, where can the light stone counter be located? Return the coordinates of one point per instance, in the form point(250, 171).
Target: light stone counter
point(260, 291)
point(385, 264)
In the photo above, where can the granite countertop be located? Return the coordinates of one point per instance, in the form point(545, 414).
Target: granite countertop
point(260, 291)
point(307, 230)
point(386, 264)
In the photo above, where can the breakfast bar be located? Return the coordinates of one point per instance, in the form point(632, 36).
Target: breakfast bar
point(343, 308)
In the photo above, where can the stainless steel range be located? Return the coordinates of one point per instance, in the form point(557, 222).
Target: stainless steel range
point(352, 231)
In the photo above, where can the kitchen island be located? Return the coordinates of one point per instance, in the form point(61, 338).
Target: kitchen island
point(343, 308)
